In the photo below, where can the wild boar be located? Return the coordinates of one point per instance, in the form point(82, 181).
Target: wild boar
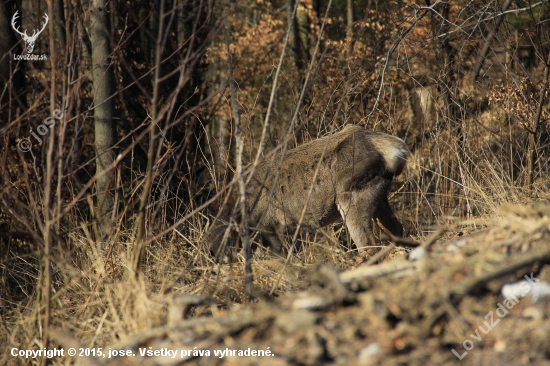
point(352, 185)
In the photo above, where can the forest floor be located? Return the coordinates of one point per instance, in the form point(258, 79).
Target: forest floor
point(468, 295)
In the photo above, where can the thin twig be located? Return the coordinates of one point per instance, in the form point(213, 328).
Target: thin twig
point(380, 254)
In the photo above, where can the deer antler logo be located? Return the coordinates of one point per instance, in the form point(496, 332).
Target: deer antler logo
point(29, 41)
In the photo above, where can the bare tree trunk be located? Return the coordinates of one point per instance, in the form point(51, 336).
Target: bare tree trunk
point(303, 32)
point(533, 137)
point(60, 25)
point(12, 80)
point(444, 54)
point(105, 130)
point(295, 39)
point(7, 42)
point(248, 279)
point(349, 29)
point(222, 156)
point(223, 130)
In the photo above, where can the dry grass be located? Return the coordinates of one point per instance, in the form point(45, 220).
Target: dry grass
point(416, 317)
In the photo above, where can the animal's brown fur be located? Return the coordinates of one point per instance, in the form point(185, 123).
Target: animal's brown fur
point(352, 184)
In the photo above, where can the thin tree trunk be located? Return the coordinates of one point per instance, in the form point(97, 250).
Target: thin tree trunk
point(295, 40)
point(104, 124)
point(7, 43)
point(349, 29)
point(60, 25)
point(12, 79)
point(48, 202)
point(533, 137)
point(223, 148)
point(245, 237)
point(445, 58)
point(302, 20)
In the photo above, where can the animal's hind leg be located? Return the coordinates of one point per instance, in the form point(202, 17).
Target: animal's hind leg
point(358, 208)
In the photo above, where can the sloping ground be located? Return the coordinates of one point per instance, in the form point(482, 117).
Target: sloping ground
point(445, 307)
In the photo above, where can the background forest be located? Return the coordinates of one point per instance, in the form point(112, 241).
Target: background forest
point(106, 215)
